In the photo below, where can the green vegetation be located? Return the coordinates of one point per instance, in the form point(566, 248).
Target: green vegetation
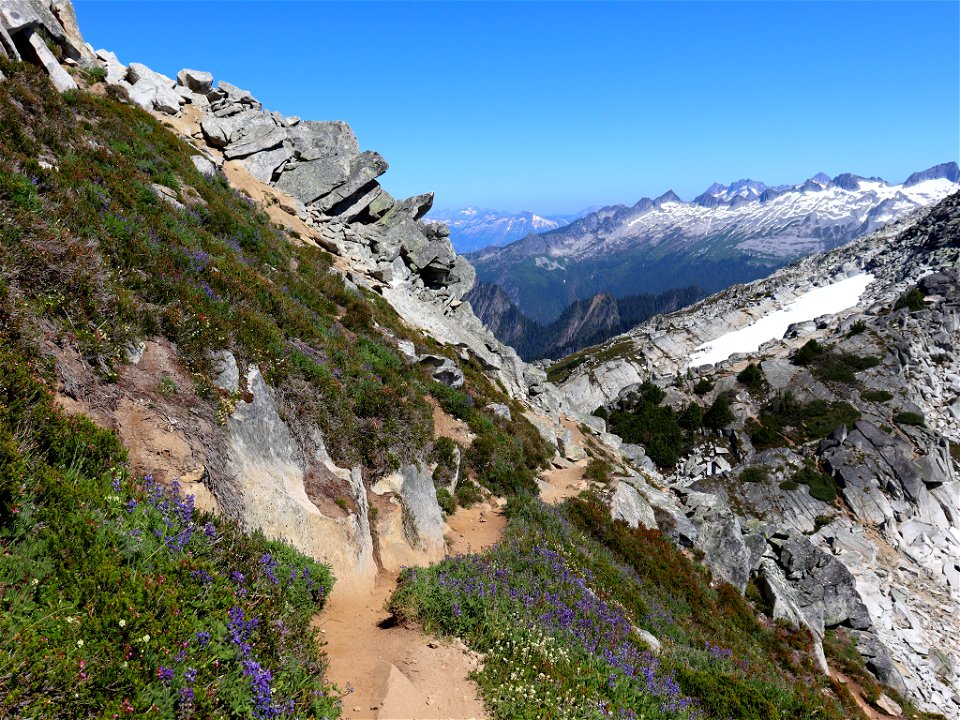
point(444, 454)
point(703, 386)
point(754, 474)
point(752, 376)
point(785, 420)
point(718, 415)
point(598, 470)
point(821, 485)
point(858, 327)
point(555, 605)
point(93, 250)
point(909, 418)
point(912, 300)
point(665, 434)
point(117, 597)
point(876, 395)
point(641, 419)
point(832, 366)
point(94, 74)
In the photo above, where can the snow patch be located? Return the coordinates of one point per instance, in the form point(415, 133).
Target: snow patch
point(825, 300)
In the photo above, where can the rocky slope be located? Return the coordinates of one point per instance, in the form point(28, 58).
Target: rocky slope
point(475, 228)
point(728, 234)
point(870, 416)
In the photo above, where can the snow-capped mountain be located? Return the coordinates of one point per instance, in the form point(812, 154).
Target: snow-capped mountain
point(728, 234)
point(474, 228)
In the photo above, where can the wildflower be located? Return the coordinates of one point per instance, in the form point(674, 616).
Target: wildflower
point(165, 674)
point(80, 643)
point(145, 639)
point(122, 623)
point(203, 637)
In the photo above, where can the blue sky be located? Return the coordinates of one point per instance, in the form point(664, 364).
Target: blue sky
point(553, 107)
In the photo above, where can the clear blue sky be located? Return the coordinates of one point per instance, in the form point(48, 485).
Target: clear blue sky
point(556, 106)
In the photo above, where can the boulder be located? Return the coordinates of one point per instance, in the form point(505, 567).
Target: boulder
point(410, 531)
point(204, 165)
point(500, 410)
point(628, 505)
point(152, 90)
point(569, 447)
point(360, 171)
point(235, 96)
point(444, 370)
point(264, 488)
point(72, 41)
point(220, 132)
point(58, 76)
point(264, 166)
point(825, 589)
point(116, 70)
point(197, 81)
point(720, 537)
point(225, 373)
point(257, 139)
point(879, 661)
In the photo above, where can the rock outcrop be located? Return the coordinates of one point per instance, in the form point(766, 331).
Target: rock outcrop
point(883, 559)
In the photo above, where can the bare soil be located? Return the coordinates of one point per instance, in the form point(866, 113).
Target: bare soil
point(393, 672)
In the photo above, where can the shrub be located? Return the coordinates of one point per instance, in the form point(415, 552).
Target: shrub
point(912, 300)
point(876, 395)
point(821, 486)
point(909, 418)
point(467, 493)
point(691, 417)
point(443, 454)
point(752, 376)
point(703, 386)
point(94, 74)
point(456, 402)
point(719, 415)
point(446, 501)
point(754, 474)
point(598, 470)
point(858, 327)
point(807, 354)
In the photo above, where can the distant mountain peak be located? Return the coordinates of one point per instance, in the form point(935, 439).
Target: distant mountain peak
point(944, 171)
point(668, 196)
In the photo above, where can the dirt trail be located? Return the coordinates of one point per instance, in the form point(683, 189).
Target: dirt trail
point(562, 483)
point(396, 672)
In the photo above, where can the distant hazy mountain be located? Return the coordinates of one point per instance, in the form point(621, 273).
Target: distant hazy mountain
point(584, 323)
point(474, 228)
point(728, 234)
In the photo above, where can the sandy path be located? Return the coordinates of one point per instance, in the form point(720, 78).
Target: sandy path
point(475, 529)
point(562, 483)
point(396, 672)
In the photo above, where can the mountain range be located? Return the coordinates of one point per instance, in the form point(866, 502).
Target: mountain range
point(728, 234)
point(474, 229)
